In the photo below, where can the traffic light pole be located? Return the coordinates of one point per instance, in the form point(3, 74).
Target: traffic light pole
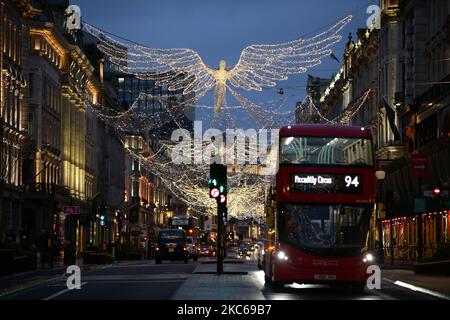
point(218, 190)
point(420, 228)
point(219, 240)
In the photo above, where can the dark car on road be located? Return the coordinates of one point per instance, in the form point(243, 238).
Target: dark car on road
point(193, 248)
point(245, 250)
point(172, 245)
point(207, 250)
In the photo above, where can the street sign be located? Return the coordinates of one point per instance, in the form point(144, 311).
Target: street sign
point(419, 166)
point(71, 210)
point(431, 194)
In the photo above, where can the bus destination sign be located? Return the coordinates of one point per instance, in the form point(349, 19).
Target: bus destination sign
point(326, 183)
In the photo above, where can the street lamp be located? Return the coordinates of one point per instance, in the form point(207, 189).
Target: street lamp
point(380, 175)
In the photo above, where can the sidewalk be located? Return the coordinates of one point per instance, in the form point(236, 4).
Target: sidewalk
point(398, 264)
point(238, 283)
point(437, 285)
point(244, 282)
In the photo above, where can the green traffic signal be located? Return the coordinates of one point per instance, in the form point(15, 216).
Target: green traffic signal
point(218, 180)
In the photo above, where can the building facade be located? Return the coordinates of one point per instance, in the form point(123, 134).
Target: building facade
point(14, 49)
point(403, 68)
point(419, 224)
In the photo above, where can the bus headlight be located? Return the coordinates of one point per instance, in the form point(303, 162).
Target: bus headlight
point(282, 256)
point(368, 257)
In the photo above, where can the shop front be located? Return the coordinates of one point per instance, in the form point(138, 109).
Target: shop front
point(401, 235)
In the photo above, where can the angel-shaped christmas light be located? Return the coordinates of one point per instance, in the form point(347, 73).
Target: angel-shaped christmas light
point(259, 66)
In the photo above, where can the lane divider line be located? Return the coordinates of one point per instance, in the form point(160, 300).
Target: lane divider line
point(60, 293)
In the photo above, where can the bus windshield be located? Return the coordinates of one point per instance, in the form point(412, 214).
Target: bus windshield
point(324, 227)
point(326, 151)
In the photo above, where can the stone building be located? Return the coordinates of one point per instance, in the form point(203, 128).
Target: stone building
point(14, 48)
point(406, 66)
point(60, 173)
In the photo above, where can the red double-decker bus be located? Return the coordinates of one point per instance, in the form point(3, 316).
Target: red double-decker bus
point(325, 197)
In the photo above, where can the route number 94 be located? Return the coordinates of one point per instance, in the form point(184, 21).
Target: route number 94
point(350, 181)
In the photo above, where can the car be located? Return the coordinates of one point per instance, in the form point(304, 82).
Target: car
point(214, 250)
point(245, 250)
point(193, 248)
point(207, 250)
point(232, 244)
point(258, 245)
point(171, 245)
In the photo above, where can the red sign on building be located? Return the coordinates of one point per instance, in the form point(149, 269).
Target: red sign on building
point(72, 210)
point(419, 166)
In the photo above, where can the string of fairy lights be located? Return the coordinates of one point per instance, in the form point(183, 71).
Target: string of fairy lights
point(188, 181)
point(182, 69)
point(188, 79)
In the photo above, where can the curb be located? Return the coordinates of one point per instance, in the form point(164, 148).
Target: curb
point(225, 262)
point(225, 273)
point(399, 267)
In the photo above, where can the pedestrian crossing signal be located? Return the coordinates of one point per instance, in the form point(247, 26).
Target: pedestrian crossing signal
point(215, 193)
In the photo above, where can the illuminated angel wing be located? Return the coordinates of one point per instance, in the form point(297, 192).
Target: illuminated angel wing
point(181, 69)
point(261, 65)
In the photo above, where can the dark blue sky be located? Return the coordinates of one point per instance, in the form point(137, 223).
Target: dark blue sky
point(221, 29)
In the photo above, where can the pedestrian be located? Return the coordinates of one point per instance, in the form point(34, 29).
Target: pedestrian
point(44, 248)
point(56, 250)
point(69, 253)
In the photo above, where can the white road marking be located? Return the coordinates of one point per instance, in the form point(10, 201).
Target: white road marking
point(61, 293)
point(136, 281)
point(418, 289)
point(382, 295)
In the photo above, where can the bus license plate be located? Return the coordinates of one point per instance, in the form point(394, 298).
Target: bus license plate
point(324, 277)
point(171, 250)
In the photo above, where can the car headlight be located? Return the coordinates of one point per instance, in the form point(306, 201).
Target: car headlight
point(369, 258)
point(282, 256)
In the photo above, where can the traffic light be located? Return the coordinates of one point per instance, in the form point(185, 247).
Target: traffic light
point(218, 188)
point(223, 212)
point(437, 192)
point(440, 198)
point(102, 220)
